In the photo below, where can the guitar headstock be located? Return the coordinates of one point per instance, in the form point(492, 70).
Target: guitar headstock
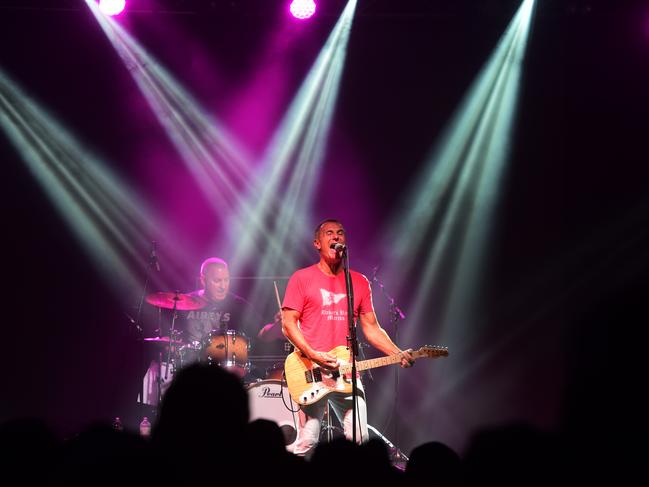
point(432, 351)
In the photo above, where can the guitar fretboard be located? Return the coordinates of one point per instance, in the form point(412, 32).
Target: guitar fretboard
point(378, 362)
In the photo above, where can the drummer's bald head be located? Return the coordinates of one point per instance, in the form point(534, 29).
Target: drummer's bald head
point(215, 279)
point(212, 261)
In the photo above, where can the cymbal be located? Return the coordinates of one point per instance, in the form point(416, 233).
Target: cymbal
point(162, 340)
point(184, 302)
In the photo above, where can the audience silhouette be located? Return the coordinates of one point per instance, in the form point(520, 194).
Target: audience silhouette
point(203, 434)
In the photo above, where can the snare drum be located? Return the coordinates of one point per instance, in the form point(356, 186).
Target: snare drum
point(228, 350)
point(275, 371)
point(190, 352)
point(269, 399)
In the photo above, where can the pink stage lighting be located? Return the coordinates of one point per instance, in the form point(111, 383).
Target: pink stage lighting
point(302, 9)
point(112, 7)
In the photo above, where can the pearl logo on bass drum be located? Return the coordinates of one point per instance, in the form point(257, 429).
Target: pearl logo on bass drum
point(266, 392)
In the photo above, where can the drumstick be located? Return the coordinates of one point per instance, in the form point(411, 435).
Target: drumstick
point(281, 315)
point(279, 304)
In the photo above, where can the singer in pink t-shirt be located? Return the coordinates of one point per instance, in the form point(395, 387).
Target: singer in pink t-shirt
point(314, 319)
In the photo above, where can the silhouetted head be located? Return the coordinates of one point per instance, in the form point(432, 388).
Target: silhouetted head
point(203, 413)
point(435, 464)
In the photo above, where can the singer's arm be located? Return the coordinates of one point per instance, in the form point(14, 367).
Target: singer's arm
point(378, 337)
point(290, 317)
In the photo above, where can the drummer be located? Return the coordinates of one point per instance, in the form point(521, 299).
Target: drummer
point(223, 310)
point(212, 308)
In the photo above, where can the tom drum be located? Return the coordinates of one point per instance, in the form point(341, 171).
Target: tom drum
point(228, 350)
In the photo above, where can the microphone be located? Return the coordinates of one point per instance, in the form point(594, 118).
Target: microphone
point(154, 256)
point(338, 247)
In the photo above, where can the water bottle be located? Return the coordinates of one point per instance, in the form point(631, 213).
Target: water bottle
point(145, 427)
point(117, 424)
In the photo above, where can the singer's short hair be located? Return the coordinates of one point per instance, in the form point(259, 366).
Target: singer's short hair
point(328, 220)
point(213, 261)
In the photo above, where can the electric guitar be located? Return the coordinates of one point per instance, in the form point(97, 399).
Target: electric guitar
point(308, 382)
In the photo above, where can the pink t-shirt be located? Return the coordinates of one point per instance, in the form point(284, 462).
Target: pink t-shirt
point(322, 303)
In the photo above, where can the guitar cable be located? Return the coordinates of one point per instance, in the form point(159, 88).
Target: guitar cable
point(287, 406)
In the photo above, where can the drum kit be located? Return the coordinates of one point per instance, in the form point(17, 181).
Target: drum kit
point(268, 397)
point(224, 348)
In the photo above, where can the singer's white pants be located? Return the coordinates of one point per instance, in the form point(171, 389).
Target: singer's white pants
point(310, 418)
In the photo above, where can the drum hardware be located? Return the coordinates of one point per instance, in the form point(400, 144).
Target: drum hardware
point(152, 381)
point(327, 428)
point(153, 262)
point(163, 340)
point(175, 301)
point(174, 314)
point(397, 457)
point(276, 372)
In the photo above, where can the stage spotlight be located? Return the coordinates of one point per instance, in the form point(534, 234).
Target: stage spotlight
point(293, 161)
point(302, 9)
point(112, 7)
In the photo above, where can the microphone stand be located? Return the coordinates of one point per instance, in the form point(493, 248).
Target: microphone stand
point(396, 315)
point(352, 340)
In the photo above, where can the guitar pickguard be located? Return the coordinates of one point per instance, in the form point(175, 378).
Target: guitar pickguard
point(322, 382)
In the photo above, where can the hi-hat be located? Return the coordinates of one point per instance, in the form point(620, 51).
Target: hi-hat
point(164, 340)
point(183, 302)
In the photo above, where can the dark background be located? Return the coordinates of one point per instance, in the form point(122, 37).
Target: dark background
point(572, 217)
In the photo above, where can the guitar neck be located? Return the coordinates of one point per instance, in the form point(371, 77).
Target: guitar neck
point(377, 362)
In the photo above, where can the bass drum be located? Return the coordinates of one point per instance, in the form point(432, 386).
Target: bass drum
point(269, 399)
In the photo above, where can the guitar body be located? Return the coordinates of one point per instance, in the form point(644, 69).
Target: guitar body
point(308, 382)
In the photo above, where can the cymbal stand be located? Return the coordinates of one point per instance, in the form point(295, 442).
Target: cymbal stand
point(172, 332)
point(174, 315)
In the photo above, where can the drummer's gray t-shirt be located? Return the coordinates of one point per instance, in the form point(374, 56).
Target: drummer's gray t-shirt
point(232, 313)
